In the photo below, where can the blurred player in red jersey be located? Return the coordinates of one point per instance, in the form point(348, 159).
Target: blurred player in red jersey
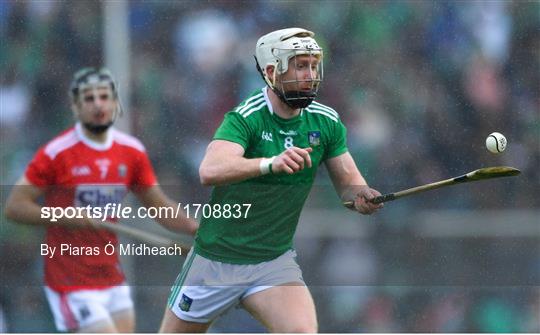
point(90, 164)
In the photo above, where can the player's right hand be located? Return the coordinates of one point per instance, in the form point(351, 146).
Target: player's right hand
point(292, 160)
point(362, 202)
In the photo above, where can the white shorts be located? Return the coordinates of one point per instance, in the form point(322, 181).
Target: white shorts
point(79, 309)
point(204, 289)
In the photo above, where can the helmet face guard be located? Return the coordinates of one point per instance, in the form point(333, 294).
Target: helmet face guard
point(277, 49)
point(93, 78)
point(295, 96)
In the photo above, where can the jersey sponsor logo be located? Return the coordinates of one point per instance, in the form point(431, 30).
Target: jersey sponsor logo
point(99, 195)
point(314, 138)
point(288, 133)
point(267, 136)
point(83, 170)
point(185, 303)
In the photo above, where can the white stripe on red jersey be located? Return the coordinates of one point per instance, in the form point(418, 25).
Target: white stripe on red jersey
point(61, 143)
point(126, 139)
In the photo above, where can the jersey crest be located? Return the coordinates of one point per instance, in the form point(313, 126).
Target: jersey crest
point(314, 138)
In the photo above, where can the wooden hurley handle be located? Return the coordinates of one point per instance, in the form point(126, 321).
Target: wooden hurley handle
point(480, 174)
point(376, 200)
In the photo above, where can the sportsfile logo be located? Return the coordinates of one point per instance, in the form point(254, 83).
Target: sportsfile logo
point(118, 211)
point(106, 212)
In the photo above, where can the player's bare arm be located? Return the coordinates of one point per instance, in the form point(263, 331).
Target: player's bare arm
point(224, 163)
point(350, 184)
point(155, 197)
point(22, 206)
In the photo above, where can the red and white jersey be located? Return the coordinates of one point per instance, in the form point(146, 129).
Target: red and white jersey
point(76, 171)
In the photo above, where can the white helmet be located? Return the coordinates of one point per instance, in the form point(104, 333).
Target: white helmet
point(276, 49)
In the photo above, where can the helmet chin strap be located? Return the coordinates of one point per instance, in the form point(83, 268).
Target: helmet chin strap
point(296, 99)
point(293, 99)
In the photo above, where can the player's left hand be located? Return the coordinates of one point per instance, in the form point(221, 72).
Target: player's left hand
point(362, 202)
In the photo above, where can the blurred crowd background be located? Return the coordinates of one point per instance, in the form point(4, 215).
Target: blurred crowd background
point(419, 85)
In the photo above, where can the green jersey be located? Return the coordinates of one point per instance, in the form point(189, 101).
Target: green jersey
point(266, 231)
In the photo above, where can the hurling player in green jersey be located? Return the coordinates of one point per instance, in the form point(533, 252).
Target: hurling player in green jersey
point(264, 157)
